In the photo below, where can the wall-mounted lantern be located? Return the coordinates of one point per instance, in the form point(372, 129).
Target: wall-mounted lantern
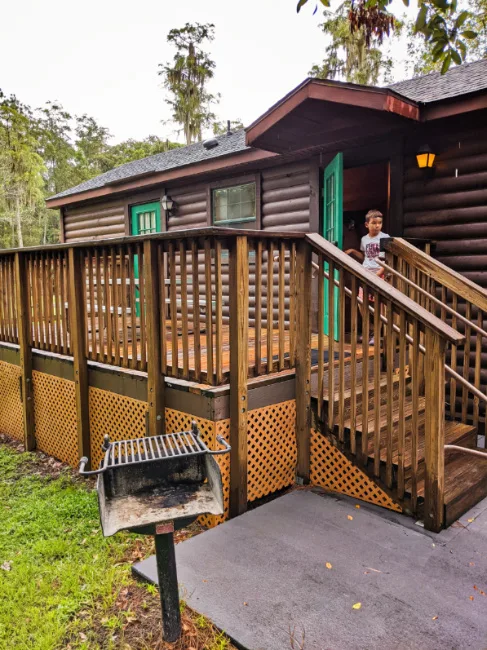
point(425, 157)
point(167, 204)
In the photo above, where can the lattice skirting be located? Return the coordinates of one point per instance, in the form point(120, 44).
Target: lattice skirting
point(55, 417)
point(272, 452)
point(11, 418)
point(331, 470)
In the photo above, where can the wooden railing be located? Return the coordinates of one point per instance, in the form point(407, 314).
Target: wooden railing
point(217, 306)
point(382, 393)
point(462, 304)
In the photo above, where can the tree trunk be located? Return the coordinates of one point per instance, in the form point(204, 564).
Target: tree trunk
point(19, 223)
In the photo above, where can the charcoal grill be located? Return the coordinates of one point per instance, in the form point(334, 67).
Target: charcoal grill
point(153, 486)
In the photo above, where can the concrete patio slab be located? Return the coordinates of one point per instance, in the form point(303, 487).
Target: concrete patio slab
point(263, 577)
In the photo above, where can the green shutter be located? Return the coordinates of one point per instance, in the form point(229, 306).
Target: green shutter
point(333, 223)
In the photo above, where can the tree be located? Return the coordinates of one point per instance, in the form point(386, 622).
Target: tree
point(439, 21)
point(221, 127)
point(21, 169)
point(422, 57)
point(347, 56)
point(186, 80)
point(91, 146)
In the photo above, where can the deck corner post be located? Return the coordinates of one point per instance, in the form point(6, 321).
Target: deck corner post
point(303, 359)
point(155, 378)
point(24, 318)
point(239, 329)
point(78, 326)
point(434, 373)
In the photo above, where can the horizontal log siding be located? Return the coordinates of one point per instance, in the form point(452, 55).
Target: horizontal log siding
point(97, 221)
point(191, 209)
point(286, 198)
point(451, 206)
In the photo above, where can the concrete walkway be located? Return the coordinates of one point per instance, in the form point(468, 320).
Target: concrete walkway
point(263, 577)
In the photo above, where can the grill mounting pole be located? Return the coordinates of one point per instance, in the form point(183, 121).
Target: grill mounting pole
point(168, 583)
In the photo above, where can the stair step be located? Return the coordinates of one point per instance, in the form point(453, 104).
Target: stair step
point(408, 413)
point(465, 484)
point(358, 389)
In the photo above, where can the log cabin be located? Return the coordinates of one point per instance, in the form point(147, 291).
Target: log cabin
point(209, 283)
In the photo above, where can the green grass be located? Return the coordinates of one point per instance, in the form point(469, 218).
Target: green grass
point(61, 567)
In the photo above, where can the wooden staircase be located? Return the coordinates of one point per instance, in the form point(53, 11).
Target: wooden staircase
point(465, 481)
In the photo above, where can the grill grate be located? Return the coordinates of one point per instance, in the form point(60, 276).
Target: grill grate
point(145, 450)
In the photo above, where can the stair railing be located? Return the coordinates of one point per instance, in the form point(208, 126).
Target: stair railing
point(383, 392)
point(463, 305)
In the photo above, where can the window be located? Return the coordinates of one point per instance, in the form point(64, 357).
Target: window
point(234, 204)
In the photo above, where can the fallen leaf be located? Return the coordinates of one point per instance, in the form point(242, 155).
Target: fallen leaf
point(350, 517)
point(371, 569)
point(83, 542)
point(434, 618)
point(82, 636)
point(357, 505)
point(328, 565)
point(471, 597)
point(6, 566)
point(470, 520)
point(246, 604)
point(357, 606)
point(475, 587)
point(471, 564)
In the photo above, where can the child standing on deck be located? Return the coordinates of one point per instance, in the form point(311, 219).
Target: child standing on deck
point(370, 247)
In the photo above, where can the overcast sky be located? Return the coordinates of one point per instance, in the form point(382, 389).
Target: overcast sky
point(100, 57)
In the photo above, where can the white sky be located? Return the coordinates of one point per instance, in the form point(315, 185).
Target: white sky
point(100, 57)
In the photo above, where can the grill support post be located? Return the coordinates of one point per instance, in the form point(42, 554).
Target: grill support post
point(168, 586)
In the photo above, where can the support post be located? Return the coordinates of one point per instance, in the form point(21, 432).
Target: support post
point(434, 372)
point(77, 315)
point(155, 378)
point(303, 359)
point(167, 578)
point(24, 317)
point(239, 328)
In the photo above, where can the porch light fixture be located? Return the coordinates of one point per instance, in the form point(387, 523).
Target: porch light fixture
point(425, 157)
point(167, 204)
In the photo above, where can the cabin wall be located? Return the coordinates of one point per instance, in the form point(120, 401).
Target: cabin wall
point(94, 221)
point(286, 197)
point(450, 206)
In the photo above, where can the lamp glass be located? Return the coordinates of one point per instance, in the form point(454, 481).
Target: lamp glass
point(167, 203)
point(425, 157)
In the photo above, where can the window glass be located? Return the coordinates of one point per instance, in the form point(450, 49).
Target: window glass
point(234, 203)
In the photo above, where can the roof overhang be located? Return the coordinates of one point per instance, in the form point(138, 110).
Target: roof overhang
point(318, 112)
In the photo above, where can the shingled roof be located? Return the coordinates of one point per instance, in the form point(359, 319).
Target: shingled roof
point(433, 87)
point(160, 162)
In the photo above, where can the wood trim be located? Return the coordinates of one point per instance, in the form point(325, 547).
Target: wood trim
point(258, 201)
point(126, 219)
point(239, 311)
point(24, 334)
point(455, 106)
point(62, 234)
point(164, 213)
point(209, 215)
point(314, 196)
point(77, 290)
point(178, 173)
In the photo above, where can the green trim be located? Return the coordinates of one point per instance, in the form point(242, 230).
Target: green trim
point(137, 210)
point(226, 221)
point(333, 225)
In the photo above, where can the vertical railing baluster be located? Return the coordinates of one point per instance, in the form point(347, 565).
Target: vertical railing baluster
point(209, 311)
point(377, 377)
point(321, 336)
point(270, 307)
point(219, 312)
point(341, 356)
point(196, 309)
point(401, 442)
point(258, 307)
point(281, 298)
point(353, 366)
point(331, 346)
point(365, 374)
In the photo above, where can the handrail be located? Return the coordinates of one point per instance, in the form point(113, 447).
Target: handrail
point(439, 272)
point(176, 235)
point(437, 301)
point(322, 246)
point(466, 450)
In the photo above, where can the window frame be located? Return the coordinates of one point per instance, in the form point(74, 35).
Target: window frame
point(246, 222)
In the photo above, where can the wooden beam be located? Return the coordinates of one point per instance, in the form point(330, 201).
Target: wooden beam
point(303, 359)
point(239, 325)
point(22, 286)
point(434, 373)
point(155, 378)
point(77, 314)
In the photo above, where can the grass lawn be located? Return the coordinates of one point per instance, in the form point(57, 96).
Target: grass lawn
point(62, 584)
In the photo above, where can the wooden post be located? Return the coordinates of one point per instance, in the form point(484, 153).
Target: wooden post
point(303, 359)
point(77, 314)
point(24, 334)
point(155, 378)
point(239, 327)
point(434, 369)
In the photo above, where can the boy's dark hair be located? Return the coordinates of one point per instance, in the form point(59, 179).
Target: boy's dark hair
point(373, 214)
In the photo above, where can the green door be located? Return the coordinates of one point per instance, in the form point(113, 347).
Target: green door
point(145, 219)
point(333, 222)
